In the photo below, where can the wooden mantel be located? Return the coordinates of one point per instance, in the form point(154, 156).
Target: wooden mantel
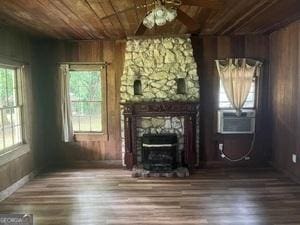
point(134, 110)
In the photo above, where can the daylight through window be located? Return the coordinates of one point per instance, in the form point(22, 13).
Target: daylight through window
point(225, 103)
point(86, 101)
point(10, 109)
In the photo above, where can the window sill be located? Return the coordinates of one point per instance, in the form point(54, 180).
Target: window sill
point(90, 136)
point(13, 153)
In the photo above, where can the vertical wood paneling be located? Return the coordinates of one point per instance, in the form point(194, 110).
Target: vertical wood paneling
point(106, 147)
point(285, 95)
point(14, 46)
point(19, 47)
point(206, 50)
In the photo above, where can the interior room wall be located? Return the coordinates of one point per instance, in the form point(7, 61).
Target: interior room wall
point(105, 147)
point(285, 95)
point(17, 47)
point(47, 54)
point(206, 50)
point(43, 57)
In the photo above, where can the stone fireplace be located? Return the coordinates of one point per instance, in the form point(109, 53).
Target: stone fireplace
point(159, 95)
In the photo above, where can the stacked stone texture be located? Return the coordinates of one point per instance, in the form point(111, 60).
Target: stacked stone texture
point(158, 63)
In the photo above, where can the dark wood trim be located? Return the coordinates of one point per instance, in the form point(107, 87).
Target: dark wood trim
point(133, 110)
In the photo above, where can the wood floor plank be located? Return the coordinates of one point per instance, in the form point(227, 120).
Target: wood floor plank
point(112, 197)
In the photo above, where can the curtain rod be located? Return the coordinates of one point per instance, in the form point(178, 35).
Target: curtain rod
point(85, 63)
point(247, 58)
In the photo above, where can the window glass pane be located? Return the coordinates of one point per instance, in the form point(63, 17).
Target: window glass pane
point(86, 100)
point(85, 109)
point(3, 88)
point(225, 103)
point(85, 123)
point(8, 136)
point(1, 133)
point(16, 116)
point(76, 124)
point(7, 122)
point(17, 132)
point(1, 141)
point(75, 106)
point(16, 123)
point(11, 124)
point(96, 117)
point(85, 85)
point(7, 117)
point(11, 93)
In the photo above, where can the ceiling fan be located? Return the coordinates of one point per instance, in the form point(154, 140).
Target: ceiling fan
point(160, 12)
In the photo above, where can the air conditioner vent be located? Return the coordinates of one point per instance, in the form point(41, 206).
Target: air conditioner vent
point(230, 123)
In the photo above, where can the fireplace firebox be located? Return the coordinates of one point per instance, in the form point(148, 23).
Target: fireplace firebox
point(159, 152)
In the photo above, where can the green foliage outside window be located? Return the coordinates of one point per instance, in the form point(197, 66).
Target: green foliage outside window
point(10, 111)
point(86, 99)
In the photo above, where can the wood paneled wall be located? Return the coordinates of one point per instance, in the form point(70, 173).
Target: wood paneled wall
point(285, 92)
point(14, 46)
point(281, 88)
point(106, 147)
point(17, 47)
point(206, 50)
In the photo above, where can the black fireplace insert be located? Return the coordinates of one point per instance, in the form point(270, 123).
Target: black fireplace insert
point(159, 152)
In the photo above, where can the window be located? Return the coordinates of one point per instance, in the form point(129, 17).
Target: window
point(225, 103)
point(86, 101)
point(10, 108)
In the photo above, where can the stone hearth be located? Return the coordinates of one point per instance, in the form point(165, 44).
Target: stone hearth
point(179, 172)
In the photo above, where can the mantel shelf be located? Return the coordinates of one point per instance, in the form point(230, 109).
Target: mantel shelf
point(160, 108)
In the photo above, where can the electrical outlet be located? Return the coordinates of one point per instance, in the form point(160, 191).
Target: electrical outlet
point(221, 147)
point(294, 158)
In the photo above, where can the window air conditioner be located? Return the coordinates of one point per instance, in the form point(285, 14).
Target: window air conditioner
point(230, 123)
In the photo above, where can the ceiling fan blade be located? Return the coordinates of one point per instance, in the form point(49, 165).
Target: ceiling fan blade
point(188, 21)
point(212, 4)
point(141, 29)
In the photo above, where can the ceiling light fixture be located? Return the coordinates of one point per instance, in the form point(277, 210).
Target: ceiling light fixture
point(159, 16)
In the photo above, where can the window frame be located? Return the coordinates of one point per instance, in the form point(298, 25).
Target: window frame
point(255, 100)
point(19, 105)
point(103, 71)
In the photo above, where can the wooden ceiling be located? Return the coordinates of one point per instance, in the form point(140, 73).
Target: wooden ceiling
point(117, 19)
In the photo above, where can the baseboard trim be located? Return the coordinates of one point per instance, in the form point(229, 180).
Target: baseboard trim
point(15, 186)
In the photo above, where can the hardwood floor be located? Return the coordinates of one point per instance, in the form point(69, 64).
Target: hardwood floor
point(111, 196)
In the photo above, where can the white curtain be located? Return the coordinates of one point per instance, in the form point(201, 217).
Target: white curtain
point(237, 76)
point(67, 128)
